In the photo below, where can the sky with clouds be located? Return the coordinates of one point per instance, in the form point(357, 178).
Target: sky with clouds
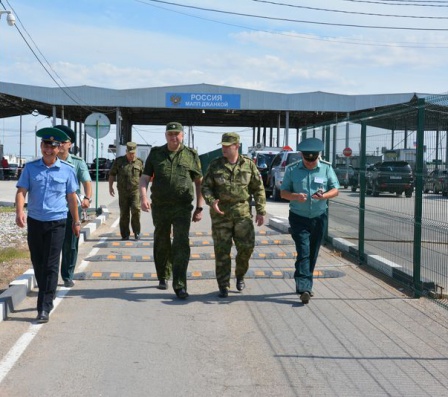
point(342, 46)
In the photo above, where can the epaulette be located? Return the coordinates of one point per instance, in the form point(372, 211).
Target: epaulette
point(190, 149)
point(156, 148)
point(325, 162)
point(65, 162)
point(76, 157)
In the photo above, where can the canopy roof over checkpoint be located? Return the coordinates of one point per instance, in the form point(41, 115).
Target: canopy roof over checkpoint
point(213, 106)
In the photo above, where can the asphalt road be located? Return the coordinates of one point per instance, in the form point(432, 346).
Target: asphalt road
point(119, 335)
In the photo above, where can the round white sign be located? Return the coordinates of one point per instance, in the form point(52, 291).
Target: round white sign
point(97, 123)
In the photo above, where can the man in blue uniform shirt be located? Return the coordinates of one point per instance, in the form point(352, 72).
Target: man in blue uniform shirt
point(49, 183)
point(308, 184)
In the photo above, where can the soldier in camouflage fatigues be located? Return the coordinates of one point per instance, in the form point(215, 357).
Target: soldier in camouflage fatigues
point(128, 170)
point(228, 186)
point(173, 168)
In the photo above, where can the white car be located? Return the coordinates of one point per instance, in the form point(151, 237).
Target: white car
point(276, 172)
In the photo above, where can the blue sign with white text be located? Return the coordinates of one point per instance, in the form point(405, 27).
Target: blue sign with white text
point(195, 100)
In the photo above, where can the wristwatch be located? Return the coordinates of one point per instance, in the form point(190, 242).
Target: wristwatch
point(77, 223)
point(199, 209)
point(87, 198)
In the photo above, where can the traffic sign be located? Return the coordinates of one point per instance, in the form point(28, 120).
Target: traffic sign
point(97, 125)
point(347, 152)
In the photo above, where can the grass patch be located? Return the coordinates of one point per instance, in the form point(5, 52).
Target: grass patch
point(11, 253)
point(7, 209)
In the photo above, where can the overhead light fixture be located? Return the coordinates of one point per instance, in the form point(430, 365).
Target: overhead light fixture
point(10, 18)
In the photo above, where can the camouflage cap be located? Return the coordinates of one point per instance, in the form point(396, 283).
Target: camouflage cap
point(310, 145)
point(131, 147)
point(229, 138)
point(69, 132)
point(174, 126)
point(51, 135)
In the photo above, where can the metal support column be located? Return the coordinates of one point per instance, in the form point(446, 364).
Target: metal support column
point(418, 199)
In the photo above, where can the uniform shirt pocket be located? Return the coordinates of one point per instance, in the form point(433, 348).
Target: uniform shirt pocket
point(57, 184)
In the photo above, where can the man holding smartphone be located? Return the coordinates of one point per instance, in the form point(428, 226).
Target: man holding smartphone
point(308, 184)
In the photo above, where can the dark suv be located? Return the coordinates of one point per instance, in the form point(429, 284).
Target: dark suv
point(390, 176)
point(344, 173)
point(104, 166)
point(263, 160)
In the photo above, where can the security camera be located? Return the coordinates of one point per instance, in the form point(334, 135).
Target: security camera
point(11, 19)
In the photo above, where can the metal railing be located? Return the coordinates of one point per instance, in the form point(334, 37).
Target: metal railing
point(409, 234)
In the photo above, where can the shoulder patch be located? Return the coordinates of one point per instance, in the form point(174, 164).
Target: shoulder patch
point(70, 165)
point(190, 149)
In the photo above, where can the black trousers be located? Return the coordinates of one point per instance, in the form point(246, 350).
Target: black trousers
point(45, 243)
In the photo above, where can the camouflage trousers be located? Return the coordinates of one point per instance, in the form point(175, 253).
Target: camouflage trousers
point(129, 203)
point(241, 230)
point(172, 256)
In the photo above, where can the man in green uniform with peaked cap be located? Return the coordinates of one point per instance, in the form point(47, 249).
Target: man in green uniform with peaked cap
point(128, 170)
point(71, 242)
point(308, 185)
point(228, 186)
point(173, 168)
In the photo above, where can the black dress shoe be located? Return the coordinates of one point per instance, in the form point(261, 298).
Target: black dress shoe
point(163, 284)
point(223, 292)
point(69, 283)
point(240, 284)
point(125, 238)
point(305, 297)
point(43, 317)
point(181, 293)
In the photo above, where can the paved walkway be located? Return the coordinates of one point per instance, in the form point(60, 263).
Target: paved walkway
point(359, 336)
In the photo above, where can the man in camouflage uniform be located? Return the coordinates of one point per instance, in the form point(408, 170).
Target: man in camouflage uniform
point(128, 170)
point(173, 168)
point(228, 186)
point(71, 242)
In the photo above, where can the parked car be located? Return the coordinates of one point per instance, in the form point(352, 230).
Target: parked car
point(262, 160)
point(390, 176)
point(344, 173)
point(355, 181)
point(445, 188)
point(104, 166)
point(276, 171)
point(434, 181)
point(12, 172)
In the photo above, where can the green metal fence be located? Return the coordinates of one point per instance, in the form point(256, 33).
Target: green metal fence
point(408, 235)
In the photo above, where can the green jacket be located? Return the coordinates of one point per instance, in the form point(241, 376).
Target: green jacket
point(128, 173)
point(233, 184)
point(173, 175)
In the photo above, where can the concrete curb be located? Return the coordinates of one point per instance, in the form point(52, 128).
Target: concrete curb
point(350, 251)
point(22, 285)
